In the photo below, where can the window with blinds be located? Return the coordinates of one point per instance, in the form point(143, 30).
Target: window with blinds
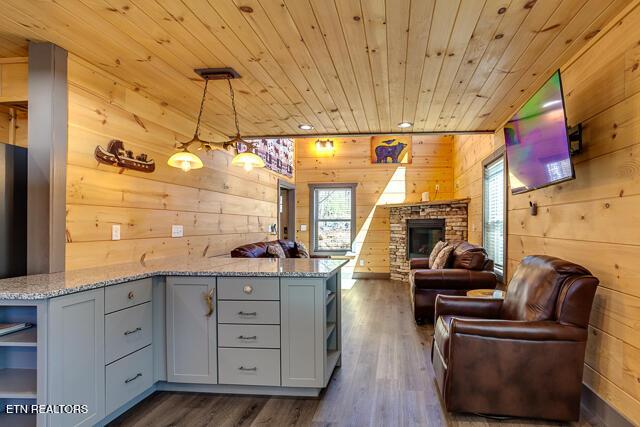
point(333, 218)
point(493, 222)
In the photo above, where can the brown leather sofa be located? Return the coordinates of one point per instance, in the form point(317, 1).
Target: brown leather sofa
point(521, 357)
point(259, 249)
point(468, 268)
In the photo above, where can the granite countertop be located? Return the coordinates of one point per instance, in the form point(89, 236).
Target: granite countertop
point(43, 286)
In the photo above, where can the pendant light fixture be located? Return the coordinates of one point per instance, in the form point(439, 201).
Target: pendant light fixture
point(186, 160)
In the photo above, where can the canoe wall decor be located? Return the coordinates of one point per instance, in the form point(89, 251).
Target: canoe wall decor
point(116, 155)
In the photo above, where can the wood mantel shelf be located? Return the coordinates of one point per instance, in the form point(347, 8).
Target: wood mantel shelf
point(429, 203)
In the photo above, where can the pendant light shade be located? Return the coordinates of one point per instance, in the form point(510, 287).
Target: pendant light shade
point(248, 161)
point(185, 161)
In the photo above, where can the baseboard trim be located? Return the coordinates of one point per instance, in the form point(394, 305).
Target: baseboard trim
point(376, 276)
point(240, 389)
point(604, 414)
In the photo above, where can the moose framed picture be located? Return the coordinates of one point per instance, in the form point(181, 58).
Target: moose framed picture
point(391, 149)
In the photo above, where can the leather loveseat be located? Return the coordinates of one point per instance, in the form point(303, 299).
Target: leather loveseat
point(259, 249)
point(521, 357)
point(468, 268)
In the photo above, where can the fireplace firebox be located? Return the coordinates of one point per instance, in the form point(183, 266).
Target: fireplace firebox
point(422, 235)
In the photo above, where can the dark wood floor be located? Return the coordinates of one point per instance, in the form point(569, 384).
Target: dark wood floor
point(386, 379)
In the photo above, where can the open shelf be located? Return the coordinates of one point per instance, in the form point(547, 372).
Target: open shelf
point(18, 384)
point(24, 338)
point(18, 420)
point(330, 298)
point(332, 358)
point(331, 326)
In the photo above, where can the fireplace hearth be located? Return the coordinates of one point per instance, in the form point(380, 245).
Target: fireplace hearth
point(416, 227)
point(422, 236)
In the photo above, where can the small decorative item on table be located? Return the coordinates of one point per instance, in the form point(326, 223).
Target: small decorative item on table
point(486, 293)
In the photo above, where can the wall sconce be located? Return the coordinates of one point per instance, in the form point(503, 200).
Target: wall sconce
point(324, 145)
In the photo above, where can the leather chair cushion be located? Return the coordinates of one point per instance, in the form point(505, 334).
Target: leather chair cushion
point(469, 256)
point(535, 286)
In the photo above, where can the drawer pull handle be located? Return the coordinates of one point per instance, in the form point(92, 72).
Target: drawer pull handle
point(242, 368)
point(248, 289)
point(133, 332)
point(128, 380)
point(131, 295)
point(208, 297)
point(241, 337)
point(242, 313)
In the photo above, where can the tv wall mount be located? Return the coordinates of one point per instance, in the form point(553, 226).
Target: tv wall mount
point(575, 139)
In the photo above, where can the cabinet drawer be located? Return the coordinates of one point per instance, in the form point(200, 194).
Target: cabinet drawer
point(261, 336)
point(126, 295)
point(128, 377)
point(249, 288)
point(249, 366)
point(127, 331)
point(256, 312)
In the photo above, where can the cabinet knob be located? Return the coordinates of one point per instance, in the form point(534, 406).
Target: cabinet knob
point(131, 295)
point(248, 289)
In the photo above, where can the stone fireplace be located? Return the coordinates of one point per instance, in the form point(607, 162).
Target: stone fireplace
point(416, 227)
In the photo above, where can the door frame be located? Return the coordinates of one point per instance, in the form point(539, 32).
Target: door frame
point(291, 205)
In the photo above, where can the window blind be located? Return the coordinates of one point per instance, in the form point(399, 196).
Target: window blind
point(493, 201)
point(333, 218)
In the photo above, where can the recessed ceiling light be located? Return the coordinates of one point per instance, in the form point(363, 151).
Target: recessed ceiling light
point(405, 125)
point(305, 126)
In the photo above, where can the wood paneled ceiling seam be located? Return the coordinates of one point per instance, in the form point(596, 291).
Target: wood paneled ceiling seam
point(40, 31)
point(277, 78)
point(585, 38)
point(314, 41)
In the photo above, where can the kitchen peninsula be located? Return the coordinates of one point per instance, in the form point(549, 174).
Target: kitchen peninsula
point(109, 337)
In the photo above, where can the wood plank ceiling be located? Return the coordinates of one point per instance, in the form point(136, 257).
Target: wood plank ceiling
point(343, 66)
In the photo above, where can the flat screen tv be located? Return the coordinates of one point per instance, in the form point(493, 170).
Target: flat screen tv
point(537, 142)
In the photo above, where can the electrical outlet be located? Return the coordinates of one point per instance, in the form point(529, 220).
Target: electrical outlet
point(177, 231)
point(362, 263)
point(115, 232)
point(303, 227)
point(437, 187)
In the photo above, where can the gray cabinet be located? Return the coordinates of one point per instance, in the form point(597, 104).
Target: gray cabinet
point(76, 357)
point(302, 332)
point(191, 330)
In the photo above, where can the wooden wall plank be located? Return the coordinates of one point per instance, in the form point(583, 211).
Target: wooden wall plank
point(220, 206)
point(592, 220)
point(378, 184)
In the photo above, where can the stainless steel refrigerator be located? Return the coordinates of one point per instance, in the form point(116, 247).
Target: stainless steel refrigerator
point(13, 211)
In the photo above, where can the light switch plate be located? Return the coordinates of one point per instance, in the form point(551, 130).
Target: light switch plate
point(303, 227)
point(115, 232)
point(362, 263)
point(177, 231)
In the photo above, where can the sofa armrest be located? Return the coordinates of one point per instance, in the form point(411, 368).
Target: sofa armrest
point(518, 330)
point(454, 278)
point(419, 263)
point(487, 308)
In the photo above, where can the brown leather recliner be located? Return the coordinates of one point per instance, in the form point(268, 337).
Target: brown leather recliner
point(468, 268)
point(521, 357)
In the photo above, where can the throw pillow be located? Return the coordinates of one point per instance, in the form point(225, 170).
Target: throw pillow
point(443, 257)
point(436, 250)
point(302, 250)
point(275, 251)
